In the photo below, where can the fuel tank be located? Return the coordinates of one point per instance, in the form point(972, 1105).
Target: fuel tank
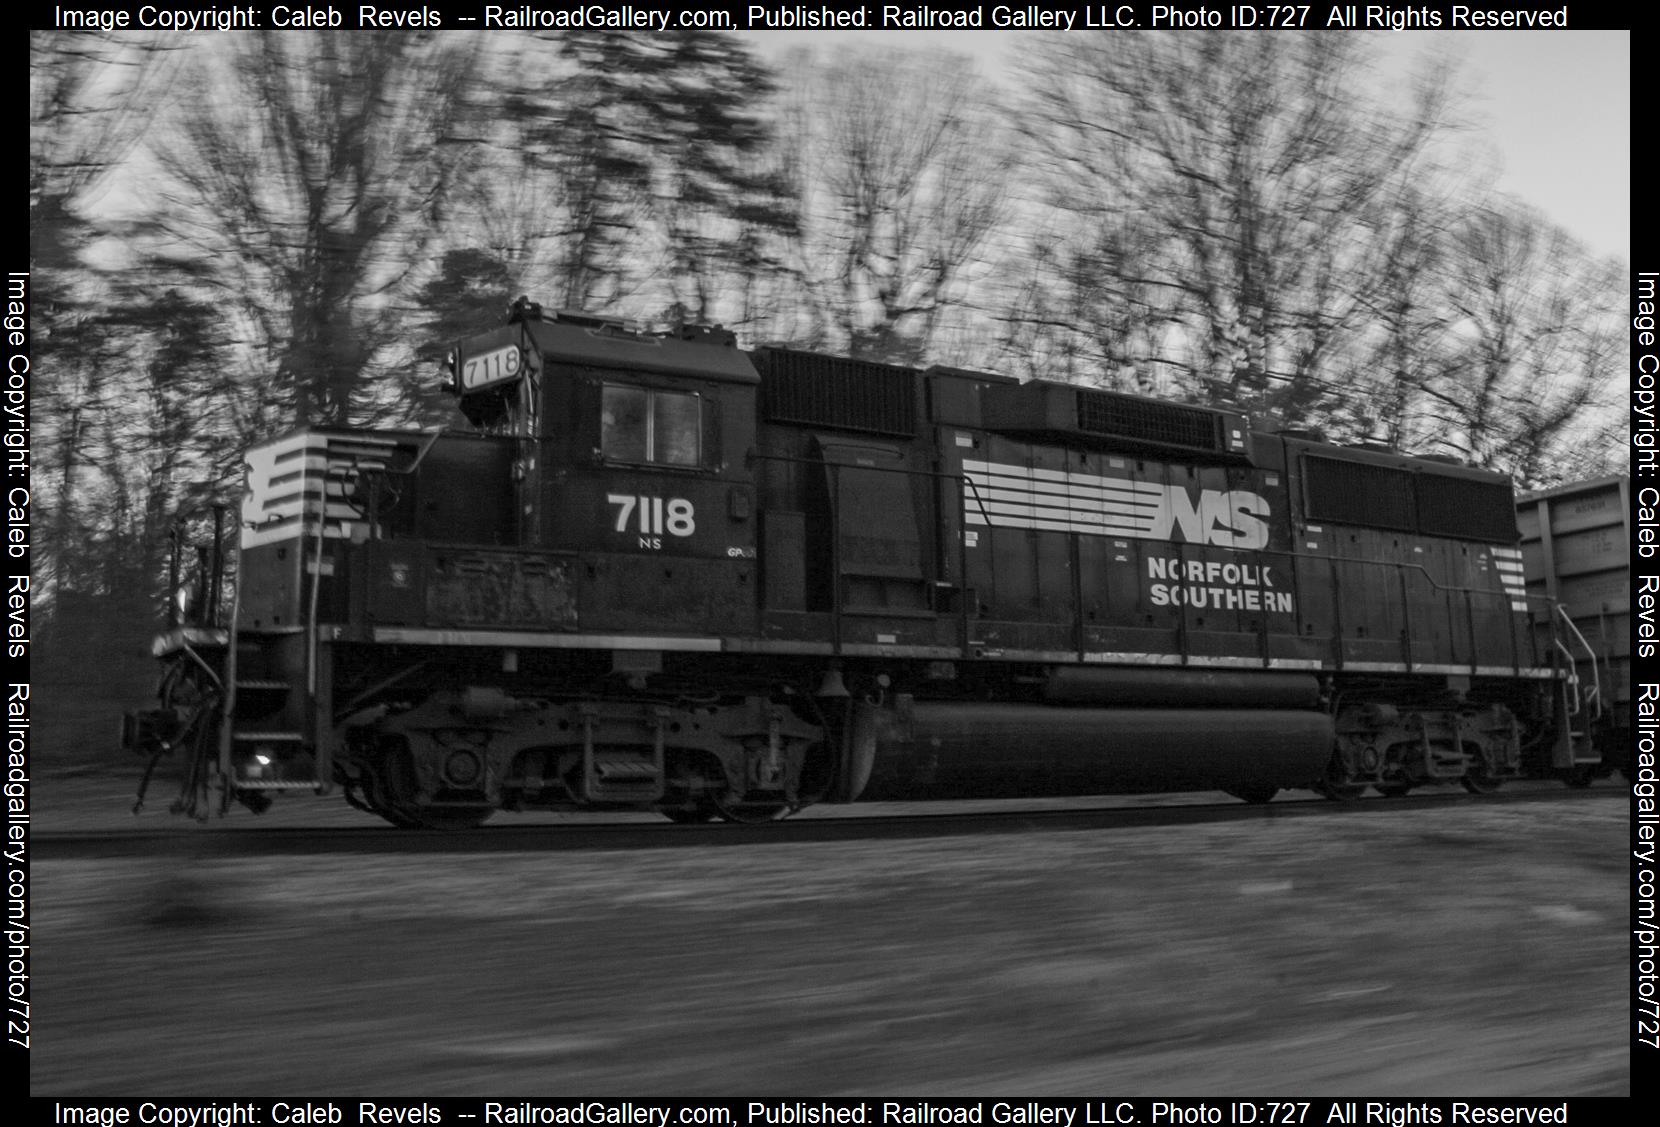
point(977, 750)
point(1180, 688)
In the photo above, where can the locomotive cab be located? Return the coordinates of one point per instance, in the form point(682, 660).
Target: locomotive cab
point(635, 467)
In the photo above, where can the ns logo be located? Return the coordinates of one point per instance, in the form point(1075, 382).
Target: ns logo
point(1230, 518)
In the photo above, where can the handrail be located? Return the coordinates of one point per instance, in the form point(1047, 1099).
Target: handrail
point(1595, 695)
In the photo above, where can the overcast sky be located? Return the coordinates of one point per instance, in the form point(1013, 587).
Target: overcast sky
point(1553, 108)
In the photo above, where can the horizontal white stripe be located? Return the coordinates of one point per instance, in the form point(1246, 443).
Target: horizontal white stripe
point(1131, 506)
point(1003, 521)
point(1096, 520)
point(1049, 479)
point(1086, 487)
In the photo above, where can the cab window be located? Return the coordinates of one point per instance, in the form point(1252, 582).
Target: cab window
point(641, 424)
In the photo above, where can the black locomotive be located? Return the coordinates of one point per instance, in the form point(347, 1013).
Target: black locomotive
point(664, 573)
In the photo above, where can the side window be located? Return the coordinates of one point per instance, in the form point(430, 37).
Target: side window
point(622, 424)
point(639, 424)
point(676, 430)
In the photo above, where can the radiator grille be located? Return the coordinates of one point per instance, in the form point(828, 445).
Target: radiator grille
point(1356, 493)
point(1168, 424)
point(830, 391)
point(1469, 510)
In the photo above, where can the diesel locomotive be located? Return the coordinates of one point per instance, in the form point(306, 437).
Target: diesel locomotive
point(662, 573)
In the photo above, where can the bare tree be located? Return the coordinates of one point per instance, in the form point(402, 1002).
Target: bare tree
point(901, 176)
point(1402, 344)
point(629, 174)
point(311, 172)
point(721, 207)
point(91, 98)
point(1534, 347)
point(1220, 191)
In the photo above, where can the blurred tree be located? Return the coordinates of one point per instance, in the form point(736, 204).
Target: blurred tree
point(1534, 351)
point(720, 205)
point(626, 174)
point(1216, 195)
point(581, 130)
point(1405, 341)
point(91, 98)
point(901, 181)
point(311, 172)
point(470, 293)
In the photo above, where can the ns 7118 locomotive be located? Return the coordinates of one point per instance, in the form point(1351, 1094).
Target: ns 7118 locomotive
point(662, 573)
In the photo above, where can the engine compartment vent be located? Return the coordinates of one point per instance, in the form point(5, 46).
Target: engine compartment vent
point(1168, 424)
point(1466, 508)
point(1345, 491)
point(1112, 420)
point(830, 391)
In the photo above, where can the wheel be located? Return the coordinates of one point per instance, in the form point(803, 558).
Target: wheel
point(1339, 785)
point(1257, 794)
point(392, 795)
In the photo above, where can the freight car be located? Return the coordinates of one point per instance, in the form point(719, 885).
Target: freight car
point(1576, 554)
point(663, 573)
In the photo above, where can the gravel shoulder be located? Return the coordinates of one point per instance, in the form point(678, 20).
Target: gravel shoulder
point(1465, 951)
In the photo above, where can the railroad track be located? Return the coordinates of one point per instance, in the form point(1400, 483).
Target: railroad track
point(843, 824)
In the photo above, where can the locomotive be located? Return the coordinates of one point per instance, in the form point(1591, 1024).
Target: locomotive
point(663, 573)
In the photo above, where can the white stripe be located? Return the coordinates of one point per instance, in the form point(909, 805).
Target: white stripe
point(1082, 516)
point(1114, 502)
point(1009, 496)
